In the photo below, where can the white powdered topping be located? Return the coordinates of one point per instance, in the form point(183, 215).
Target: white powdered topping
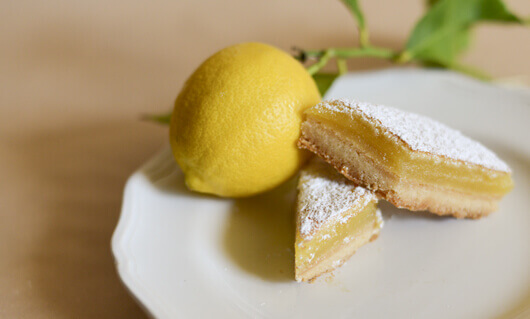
point(420, 133)
point(325, 195)
point(380, 221)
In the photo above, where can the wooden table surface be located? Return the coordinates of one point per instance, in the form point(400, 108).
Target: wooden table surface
point(74, 78)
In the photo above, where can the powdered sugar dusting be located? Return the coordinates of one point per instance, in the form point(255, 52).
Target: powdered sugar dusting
point(379, 216)
point(324, 195)
point(420, 133)
point(380, 221)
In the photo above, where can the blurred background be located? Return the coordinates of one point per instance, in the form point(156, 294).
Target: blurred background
point(75, 77)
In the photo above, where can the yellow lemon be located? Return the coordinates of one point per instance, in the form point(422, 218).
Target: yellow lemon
point(237, 119)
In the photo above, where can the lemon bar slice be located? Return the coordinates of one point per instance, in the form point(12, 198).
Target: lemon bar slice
point(334, 217)
point(410, 160)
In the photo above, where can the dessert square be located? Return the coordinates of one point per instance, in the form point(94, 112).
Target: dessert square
point(410, 160)
point(334, 217)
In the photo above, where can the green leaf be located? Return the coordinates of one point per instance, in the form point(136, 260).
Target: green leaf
point(443, 32)
point(163, 119)
point(462, 68)
point(324, 81)
point(447, 50)
point(355, 9)
point(471, 71)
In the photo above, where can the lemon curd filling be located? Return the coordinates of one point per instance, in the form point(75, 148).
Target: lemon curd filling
point(357, 230)
point(397, 157)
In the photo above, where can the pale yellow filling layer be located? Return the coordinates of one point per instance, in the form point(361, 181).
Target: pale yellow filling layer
point(423, 168)
point(334, 234)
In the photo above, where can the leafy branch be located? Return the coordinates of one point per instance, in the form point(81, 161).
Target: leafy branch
point(437, 39)
point(341, 54)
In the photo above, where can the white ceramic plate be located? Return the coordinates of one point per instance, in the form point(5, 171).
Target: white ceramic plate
point(183, 255)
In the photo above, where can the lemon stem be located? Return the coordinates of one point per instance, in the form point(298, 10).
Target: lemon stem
point(342, 67)
point(323, 56)
point(364, 37)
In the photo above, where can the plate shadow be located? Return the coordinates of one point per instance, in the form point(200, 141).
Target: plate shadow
point(260, 232)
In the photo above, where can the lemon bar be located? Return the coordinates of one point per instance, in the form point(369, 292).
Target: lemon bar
point(410, 160)
point(334, 217)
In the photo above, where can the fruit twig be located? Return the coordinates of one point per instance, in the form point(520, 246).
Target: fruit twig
point(164, 118)
point(323, 56)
